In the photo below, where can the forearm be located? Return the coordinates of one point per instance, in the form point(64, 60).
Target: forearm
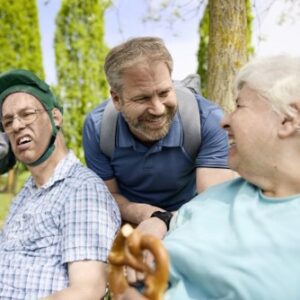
point(74, 293)
point(134, 212)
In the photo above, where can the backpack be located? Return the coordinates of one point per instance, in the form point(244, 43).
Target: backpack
point(187, 108)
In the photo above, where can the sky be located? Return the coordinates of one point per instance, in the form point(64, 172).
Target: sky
point(125, 20)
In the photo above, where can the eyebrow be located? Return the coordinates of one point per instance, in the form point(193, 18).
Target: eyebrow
point(9, 115)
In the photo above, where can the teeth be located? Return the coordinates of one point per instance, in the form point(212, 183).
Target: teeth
point(231, 142)
point(24, 139)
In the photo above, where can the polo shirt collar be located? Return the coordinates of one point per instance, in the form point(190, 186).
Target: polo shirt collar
point(125, 139)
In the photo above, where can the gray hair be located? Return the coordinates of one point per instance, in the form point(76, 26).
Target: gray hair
point(275, 78)
point(132, 51)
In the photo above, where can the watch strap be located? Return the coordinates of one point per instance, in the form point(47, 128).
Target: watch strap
point(165, 216)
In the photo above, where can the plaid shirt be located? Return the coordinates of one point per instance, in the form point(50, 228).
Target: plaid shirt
point(72, 217)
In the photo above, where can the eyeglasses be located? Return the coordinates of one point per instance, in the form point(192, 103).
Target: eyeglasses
point(26, 116)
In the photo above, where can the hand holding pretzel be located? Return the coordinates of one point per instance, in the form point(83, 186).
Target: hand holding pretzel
point(128, 250)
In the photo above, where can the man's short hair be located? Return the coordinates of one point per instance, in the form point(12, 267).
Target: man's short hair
point(132, 51)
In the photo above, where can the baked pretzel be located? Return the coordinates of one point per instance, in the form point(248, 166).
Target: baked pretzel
point(127, 250)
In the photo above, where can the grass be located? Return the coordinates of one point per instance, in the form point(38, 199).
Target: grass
point(5, 200)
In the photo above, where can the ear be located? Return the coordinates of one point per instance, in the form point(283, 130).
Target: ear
point(57, 117)
point(116, 99)
point(290, 125)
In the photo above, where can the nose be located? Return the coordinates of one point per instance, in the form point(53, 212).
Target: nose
point(157, 107)
point(17, 124)
point(225, 122)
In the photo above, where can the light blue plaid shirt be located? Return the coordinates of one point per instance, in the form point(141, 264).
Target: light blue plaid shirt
point(72, 217)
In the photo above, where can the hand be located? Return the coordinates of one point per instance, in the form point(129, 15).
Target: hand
point(131, 294)
point(151, 226)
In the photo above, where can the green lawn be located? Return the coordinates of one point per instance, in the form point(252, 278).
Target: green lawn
point(4, 206)
point(5, 198)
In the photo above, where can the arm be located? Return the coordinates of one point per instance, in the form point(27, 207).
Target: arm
point(131, 212)
point(100, 164)
point(206, 177)
point(211, 162)
point(87, 281)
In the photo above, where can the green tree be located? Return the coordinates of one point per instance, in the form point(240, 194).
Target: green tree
point(80, 52)
point(20, 41)
point(20, 45)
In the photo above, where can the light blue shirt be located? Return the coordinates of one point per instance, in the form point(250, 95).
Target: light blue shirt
point(72, 217)
point(232, 242)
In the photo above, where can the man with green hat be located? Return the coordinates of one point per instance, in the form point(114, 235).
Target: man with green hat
point(57, 235)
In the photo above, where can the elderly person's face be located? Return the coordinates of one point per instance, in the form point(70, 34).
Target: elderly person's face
point(27, 124)
point(253, 131)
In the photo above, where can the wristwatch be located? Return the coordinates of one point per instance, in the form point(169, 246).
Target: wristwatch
point(165, 216)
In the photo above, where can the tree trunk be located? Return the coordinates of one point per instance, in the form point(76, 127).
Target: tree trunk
point(227, 48)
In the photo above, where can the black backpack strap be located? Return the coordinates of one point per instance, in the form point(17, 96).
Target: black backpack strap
point(189, 114)
point(190, 117)
point(108, 129)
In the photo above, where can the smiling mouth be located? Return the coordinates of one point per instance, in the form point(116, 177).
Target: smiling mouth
point(231, 142)
point(23, 140)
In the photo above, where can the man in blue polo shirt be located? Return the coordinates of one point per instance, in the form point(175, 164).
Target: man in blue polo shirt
point(150, 174)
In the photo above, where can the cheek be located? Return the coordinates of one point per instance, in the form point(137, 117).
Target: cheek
point(134, 110)
point(171, 101)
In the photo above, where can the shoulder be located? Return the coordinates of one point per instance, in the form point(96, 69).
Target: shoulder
point(84, 175)
point(208, 109)
point(214, 199)
point(224, 192)
point(94, 118)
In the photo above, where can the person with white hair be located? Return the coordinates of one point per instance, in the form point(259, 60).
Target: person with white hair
point(240, 240)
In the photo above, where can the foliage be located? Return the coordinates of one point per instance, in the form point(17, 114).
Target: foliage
point(20, 36)
point(80, 52)
point(250, 48)
point(202, 51)
point(5, 197)
point(4, 206)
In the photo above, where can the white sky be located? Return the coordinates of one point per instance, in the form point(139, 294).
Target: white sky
point(268, 36)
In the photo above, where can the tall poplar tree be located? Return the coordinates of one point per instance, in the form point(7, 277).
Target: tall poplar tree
point(20, 41)
point(20, 44)
point(80, 52)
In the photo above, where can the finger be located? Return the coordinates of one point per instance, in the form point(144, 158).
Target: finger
point(131, 275)
point(140, 276)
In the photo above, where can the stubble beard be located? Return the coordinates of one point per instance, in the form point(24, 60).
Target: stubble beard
point(147, 133)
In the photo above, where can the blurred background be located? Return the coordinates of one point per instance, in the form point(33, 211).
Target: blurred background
point(65, 43)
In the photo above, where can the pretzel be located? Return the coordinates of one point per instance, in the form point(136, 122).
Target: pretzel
point(127, 250)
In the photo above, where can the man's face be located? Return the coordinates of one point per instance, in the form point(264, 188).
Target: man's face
point(28, 141)
point(148, 101)
point(252, 128)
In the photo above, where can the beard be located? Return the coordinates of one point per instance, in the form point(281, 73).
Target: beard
point(151, 133)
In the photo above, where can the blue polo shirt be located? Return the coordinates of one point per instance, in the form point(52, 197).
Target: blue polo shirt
point(163, 175)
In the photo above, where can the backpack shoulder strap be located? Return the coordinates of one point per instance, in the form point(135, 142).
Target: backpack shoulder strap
point(190, 118)
point(108, 129)
point(189, 114)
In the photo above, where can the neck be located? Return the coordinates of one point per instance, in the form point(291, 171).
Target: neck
point(279, 181)
point(42, 173)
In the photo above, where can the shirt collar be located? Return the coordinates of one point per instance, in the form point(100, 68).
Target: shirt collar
point(61, 171)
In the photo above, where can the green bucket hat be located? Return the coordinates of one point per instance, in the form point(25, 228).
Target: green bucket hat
point(19, 80)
